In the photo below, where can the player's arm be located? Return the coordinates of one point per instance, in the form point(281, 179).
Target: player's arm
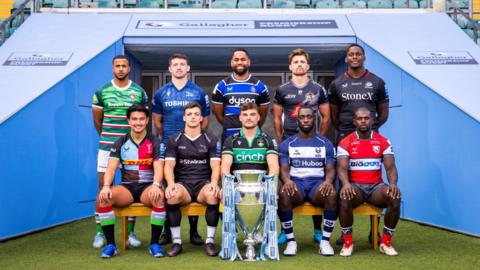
point(227, 161)
point(218, 111)
point(392, 176)
point(277, 121)
point(324, 110)
point(327, 186)
point(288, 186)
point(205, 123)
point(106, 192)
point(335, 114)
point(272, 161)
point(334, 105)
point(382, 114)
point(205, 104)
point(158, 123)
point(263, 110)
point(347, 191)
point(97, 118)
point(215, 177)
point(156, 192)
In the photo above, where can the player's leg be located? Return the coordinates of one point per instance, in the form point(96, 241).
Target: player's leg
point(381, 198)
point(345, 212)
point(317, 228)
point(285, 213)
point(157, 217)
point(206, 196)
point(102, 161)
point(329, 203)
point(181, 197)
point(120, 197)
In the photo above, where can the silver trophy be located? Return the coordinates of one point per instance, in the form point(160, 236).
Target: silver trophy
point(250, 206)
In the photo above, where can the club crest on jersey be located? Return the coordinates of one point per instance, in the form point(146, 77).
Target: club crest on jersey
point(253, 90)
point(189, 94)
point(318, 150)
point(133, 96)
point(260, 143)
point(202, 148)
point(239, 142)
point(310, 96)
point(300, 91)
point(376, 149)
point(368, 85)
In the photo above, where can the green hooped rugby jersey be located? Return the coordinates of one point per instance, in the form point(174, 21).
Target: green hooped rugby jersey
point(115, 101)
point(249, 155)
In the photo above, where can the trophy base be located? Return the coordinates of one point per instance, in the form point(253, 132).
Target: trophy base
point(250, 253)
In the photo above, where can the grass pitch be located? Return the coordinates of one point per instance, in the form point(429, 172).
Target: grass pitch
point(69, 247)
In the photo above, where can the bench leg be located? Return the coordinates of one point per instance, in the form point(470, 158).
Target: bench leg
point(124, 233)
point(374, 220)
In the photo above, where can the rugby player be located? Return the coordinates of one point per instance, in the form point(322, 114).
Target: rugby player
point(289, 97)
point(360, 156)
point(237, 89)
point(168, 104)
point(139, 155)
point(110, 104)
point(192, 172)
point(357, 87)
point(307, 163)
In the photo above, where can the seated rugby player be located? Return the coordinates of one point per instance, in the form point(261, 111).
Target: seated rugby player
point(141, 160)
point(307, 163)
point(192, 172)
point(359, 164)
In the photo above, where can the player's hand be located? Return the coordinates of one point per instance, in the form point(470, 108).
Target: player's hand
point(220, 194)
point(289, 187)
point(393, 191)
point(347, 192)
point(170, 191)
point(155, 193)
point(326, 189)
point(105, 194)
point(214, 188)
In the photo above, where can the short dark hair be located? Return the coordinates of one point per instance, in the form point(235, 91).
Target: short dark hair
point(361, 108)
point(192, 105)
point(355, 45)
point(304, 106)
point(178, 55)
point(240, 50)
point(248, 106)
point(120, 56)
point(297, 52)
point(136, 108)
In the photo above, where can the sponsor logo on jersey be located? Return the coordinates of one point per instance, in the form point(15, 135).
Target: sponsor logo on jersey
point(253, 89)
point(192, 161)
point(144, 161)
point(126, 148)
point(290, 96)
point(345, 85)
point(182, 147)
point(306, 163)
point(376, 149)
point(250, 157)
point(229, 88)
point(309, 96)
point(239, 101)
point(117, 105)
point(368, 84)
point(190, 94)
point(351, 96)
point(357, 83)
point(176, 103)
point(365, 164)
point(300, 91)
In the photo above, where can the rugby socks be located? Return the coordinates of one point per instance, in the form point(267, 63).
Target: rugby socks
point(328, 223)
point(317, 222)
point(193, 220)
point(211, 216)
point(131, 224)
point(176, 235)
point(107, 221)
point(347, 236)
point(174, 218)
point(286, 219)
point(98, 226)
point(157, 220)
point(387, 235)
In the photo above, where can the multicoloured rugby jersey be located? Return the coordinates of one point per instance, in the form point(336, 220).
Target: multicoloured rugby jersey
point(192, 156)
point(365, 157)
point(292, 97)
point(249, 155)
point(232, 93)
point(350, 93)
point(137, 160)
point(307, 158)
point(170, 102)
point(115, 101)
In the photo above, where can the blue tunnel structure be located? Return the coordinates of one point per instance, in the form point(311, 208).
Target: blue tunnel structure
point(53, 64)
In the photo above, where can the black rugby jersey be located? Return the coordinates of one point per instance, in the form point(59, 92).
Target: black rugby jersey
point(292, 97)
point(192, 156)
point(351, 93)
point(249, 155)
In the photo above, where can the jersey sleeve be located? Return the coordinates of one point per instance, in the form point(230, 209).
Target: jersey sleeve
point(158, 149)
point(343, 148)
point(215, 149)
point(116, 148)
point(157, 103)
point(330, 156)
point(144, 98)
point(228, 146)
point(278, 99)
point(322, 95)
point(205, 103)
point(264, 95)
point(387, 148)
point(284, 156)
point(171, 152)
point(382, 93)
point(333, 95)
point(272, 147)
point(218, 91)
point(97, 100)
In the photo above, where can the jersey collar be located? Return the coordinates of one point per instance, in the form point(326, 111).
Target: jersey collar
point(254, 137)
point(371, 134)
point(133, 141)
point(364, 75)
point(122, 88)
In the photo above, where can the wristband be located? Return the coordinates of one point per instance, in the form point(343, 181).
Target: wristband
point(156, 184)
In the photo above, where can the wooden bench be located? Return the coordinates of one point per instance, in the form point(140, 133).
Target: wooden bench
point(196, 209)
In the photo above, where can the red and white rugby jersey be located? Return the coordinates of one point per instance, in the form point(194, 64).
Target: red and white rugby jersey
point(365, 164)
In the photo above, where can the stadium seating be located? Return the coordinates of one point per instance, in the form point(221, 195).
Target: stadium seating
point(224, 4)
point(380, 4)
point(191, 4)
point(249, 4)
point(283, 4)
point(302, 3)
point(150, 4)
point(417, 4)
point(327, 4)
point(107, 3)
point(354, 4)
point(400, 4)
